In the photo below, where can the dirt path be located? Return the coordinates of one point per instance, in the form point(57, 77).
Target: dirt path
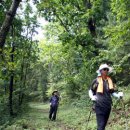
point(43, 109)
point(37, 119)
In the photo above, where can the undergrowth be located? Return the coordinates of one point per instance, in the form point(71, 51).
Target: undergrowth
point(72, 116)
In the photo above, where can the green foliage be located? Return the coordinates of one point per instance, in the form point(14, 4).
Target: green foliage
point(70, 116)
point(17, 60)
point(81, 35)
point(73, 66)
point(66, 70)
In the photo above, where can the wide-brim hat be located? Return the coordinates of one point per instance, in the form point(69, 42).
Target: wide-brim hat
point(102, 66)
point(54, 92)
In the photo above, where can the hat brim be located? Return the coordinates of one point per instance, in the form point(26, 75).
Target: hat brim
point(54, 92)
point(110, 69)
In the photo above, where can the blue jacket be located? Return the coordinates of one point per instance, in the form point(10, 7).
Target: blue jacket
point(54, 100)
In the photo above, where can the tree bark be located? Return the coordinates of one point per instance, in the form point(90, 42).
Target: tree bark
point(21, 82)
point(92, 27)
point(11, 84)
point(11, 95)
point(91, 21)
point(8, 21)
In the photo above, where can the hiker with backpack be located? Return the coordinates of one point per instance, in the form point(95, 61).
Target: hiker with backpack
point(100, 93)
point(54, 102)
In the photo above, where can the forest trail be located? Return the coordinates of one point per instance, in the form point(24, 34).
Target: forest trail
point(37, 119)
point(68, 118)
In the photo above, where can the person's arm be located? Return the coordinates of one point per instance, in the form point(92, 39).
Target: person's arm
point(92, 90)
point(117, 94)
point(50, 100)
point(58, 100)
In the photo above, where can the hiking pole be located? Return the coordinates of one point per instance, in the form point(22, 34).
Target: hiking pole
point(90, 113)
point(88, 118)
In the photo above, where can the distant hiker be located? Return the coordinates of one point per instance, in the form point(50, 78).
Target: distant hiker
point(54, 102)
point(100, 92)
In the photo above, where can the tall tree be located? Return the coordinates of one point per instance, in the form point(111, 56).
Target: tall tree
point(8, 21)
point(11, 82)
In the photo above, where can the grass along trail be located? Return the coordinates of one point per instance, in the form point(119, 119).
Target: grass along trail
point(37, 119)
point(72, 116)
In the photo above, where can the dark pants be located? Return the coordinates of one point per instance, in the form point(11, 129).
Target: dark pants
point(102, 115)
point(53, 112)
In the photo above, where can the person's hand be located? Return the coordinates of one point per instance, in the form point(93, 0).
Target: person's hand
point(94, 98)
point(120, 95)
point(93, 107)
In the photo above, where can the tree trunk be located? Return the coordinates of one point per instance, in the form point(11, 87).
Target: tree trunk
point(11, 84)
point(21, 82)
point(11, 95)
point(92, 27)
point(21, 96)
point(91, 21)
point(8, 21)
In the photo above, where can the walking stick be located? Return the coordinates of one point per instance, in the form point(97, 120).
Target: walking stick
point(90, 113)
point(88, 118)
